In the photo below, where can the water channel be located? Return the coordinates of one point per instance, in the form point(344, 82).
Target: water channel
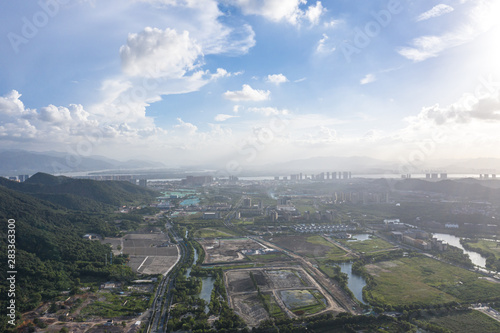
point(355, 283)
point(476, 258)
point(207, 283)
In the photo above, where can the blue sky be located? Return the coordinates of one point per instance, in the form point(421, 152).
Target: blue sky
point(244, 82)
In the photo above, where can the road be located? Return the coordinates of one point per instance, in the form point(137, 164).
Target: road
point(160, 310)
point(488, 311)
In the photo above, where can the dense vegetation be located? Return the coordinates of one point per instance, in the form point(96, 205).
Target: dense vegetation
point(51, 255)
point(81, 194)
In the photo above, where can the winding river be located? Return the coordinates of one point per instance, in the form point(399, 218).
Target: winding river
point(476, 258)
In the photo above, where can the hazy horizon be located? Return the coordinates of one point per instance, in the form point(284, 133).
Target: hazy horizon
point(245, 83)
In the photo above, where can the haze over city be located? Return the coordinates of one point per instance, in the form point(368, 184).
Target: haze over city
point(251, 82)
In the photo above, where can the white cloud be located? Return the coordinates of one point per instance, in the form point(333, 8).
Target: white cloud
point(223, 117)
point(323, 46)
point(331, 24)
point(282, 10)
point(436, 11)
point(277, 78)
point(159, 53)
point(468, 109)
point(247, 93)
point(10, 104)
point(313, 13)
point(188, 128)
point(369, 78)
point(269, 111)
point(480, 18)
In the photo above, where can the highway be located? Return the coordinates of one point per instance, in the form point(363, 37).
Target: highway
point(160, 310)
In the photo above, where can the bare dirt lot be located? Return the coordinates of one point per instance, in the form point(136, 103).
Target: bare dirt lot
point(241, 289)
point(250, 309)
point(149, 253)
point(227, 250)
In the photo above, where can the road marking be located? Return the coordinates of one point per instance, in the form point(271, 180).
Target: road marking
point(138, 268)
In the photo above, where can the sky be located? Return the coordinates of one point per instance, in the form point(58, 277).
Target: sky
point(238, 83)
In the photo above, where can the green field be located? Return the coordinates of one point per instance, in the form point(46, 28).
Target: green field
point(373, 244)
point(213, 233)
point(272, 306)
point(487, 246)
point(110, 306)
point(473, 321)
point(334, 254)
point(422, 280)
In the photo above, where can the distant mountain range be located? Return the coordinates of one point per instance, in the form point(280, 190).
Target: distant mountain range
point(17, 162)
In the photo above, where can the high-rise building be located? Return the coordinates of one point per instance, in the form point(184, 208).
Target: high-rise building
point(23, 178)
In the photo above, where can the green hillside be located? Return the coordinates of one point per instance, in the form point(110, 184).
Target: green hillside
point(81, 194)
point(51, 255)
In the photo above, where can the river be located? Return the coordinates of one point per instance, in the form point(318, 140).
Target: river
point(476, 258)
point(207, 282)
point(355, 282)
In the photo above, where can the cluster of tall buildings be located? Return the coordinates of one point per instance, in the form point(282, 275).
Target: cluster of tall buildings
point(20, 178)
point(320, 176)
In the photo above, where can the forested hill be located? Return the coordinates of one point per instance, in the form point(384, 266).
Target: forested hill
point(51, 255)
point(81, 194)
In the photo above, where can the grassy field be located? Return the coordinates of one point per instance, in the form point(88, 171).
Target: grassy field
point(422, 280)
point(473, 321)
point(488, 246)
point(269, 257)
point(373, 244)
point(335, 252)
point(274, 309)
point(213, 233)
point(116, 306)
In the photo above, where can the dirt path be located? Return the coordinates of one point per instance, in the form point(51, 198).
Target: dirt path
point(336, 297)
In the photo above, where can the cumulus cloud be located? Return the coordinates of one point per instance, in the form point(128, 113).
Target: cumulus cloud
point(313, 13)
point(369, 78)
point(277, 78)
point(189, 128)
point(159, 53)
point(323, 46)
point(247, 93)
point(479, 20)
point(223, 117)
point(436, 11)
point(470, 108)
point(10, 104)
point(282, 10)
point(269, 111)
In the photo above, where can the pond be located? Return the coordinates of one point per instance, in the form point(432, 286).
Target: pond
point(190, 201)
point(355, 282)
point(206, 290)
point(359, 238)
point(475, 257)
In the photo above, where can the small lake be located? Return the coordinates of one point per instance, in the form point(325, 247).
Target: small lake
point(206, 290)
point(355, 282)
point(359, 238)
point(475, 257)
point(190, 201)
